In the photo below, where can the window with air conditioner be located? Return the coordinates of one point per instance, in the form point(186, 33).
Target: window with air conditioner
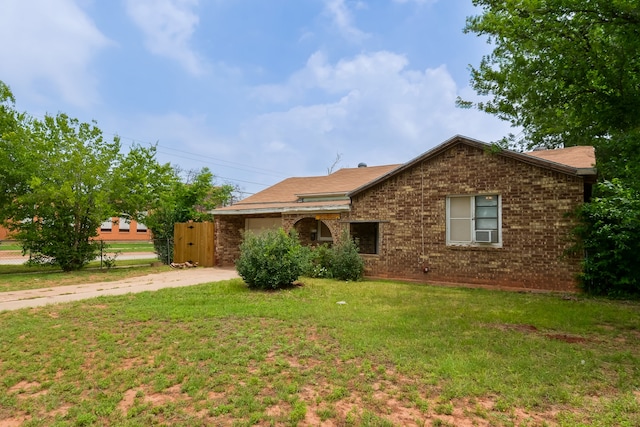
point(474, 220)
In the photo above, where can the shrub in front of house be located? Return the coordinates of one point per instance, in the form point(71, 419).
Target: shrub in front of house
point(340, 261)
point(609, 235)
point(320, 260)
point(272, 259)
point(346, 263)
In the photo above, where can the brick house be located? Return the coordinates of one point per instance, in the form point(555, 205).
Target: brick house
point(119, 229)
point(460, 213)
point(314, 206)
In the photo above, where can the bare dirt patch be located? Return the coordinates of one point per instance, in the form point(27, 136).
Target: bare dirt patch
point(530, 329)
point(24, 387)
point(127, 401)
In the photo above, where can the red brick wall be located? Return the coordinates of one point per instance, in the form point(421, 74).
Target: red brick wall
point(535, 226)
point(114, 235)
point(121, 235)
point(229, 230)
point(4, 234)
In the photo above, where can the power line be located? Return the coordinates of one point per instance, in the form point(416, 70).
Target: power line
point(242, 166)
point(198, 157)
point(201, 158)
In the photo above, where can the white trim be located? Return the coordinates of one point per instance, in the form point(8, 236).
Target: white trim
point(124, 224)
point(287, 210)
point(319, 235)
point(472, 222)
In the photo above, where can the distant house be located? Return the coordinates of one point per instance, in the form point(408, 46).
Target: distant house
point(114, 229)
point(460, 213)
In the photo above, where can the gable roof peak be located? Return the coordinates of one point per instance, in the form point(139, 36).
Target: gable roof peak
point(561, 163)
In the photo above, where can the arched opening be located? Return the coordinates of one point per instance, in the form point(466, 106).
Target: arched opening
point(313, 232)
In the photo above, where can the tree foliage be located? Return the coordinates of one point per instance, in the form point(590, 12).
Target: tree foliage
point(60, 179)
point(567, 71)
point(609, 235)
point(189, 198)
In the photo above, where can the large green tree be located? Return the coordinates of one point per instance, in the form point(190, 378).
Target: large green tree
point(60, 179)
point(564, 70)
point(568, 73)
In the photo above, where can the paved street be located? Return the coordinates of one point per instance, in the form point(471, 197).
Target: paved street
point(16, 257)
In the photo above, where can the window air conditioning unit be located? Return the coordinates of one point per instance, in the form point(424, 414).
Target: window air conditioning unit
point(485, 236)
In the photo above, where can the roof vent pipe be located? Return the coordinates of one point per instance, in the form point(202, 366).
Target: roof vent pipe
point(362, 165)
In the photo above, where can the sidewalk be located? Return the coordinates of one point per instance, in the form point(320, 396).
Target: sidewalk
point(15, 300)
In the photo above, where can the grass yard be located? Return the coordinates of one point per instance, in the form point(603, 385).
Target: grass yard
point(129, 246)
point(10, 246)
point(133, 246)
point(325, 353)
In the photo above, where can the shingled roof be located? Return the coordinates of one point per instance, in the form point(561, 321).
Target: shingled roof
point(317, 193)
point(332, 193)
point(580, 157)
point(572, 161)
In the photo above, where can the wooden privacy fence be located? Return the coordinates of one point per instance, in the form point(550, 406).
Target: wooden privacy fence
point(194, 242)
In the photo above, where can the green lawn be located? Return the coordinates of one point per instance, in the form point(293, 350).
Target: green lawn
point(11, 245)
point(23, 277)
point(129, 246)
point(370, 353)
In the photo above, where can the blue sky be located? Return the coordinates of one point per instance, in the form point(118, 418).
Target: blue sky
point(256, 90)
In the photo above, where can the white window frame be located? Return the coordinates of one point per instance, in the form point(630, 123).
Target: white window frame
point(472, 222)
point(107, 225)
point(141, 228)
point(124, 226)
point(320, 237)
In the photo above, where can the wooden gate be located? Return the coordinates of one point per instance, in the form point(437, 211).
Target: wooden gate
point(194, 242)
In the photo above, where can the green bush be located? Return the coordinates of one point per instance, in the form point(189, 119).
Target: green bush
point(271, 260)
point(340, 261)
point(609, 234)
point(319, 262)
point(346, 263)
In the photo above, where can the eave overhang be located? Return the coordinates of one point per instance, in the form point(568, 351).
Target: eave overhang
point(291, 209)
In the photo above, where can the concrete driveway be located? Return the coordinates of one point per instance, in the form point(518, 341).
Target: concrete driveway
point(172, 279)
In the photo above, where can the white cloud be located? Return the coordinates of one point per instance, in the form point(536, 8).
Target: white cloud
point(51, 43)
point(371, 108)
point(343, 20)
point(168, 26)
point(379, 111)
